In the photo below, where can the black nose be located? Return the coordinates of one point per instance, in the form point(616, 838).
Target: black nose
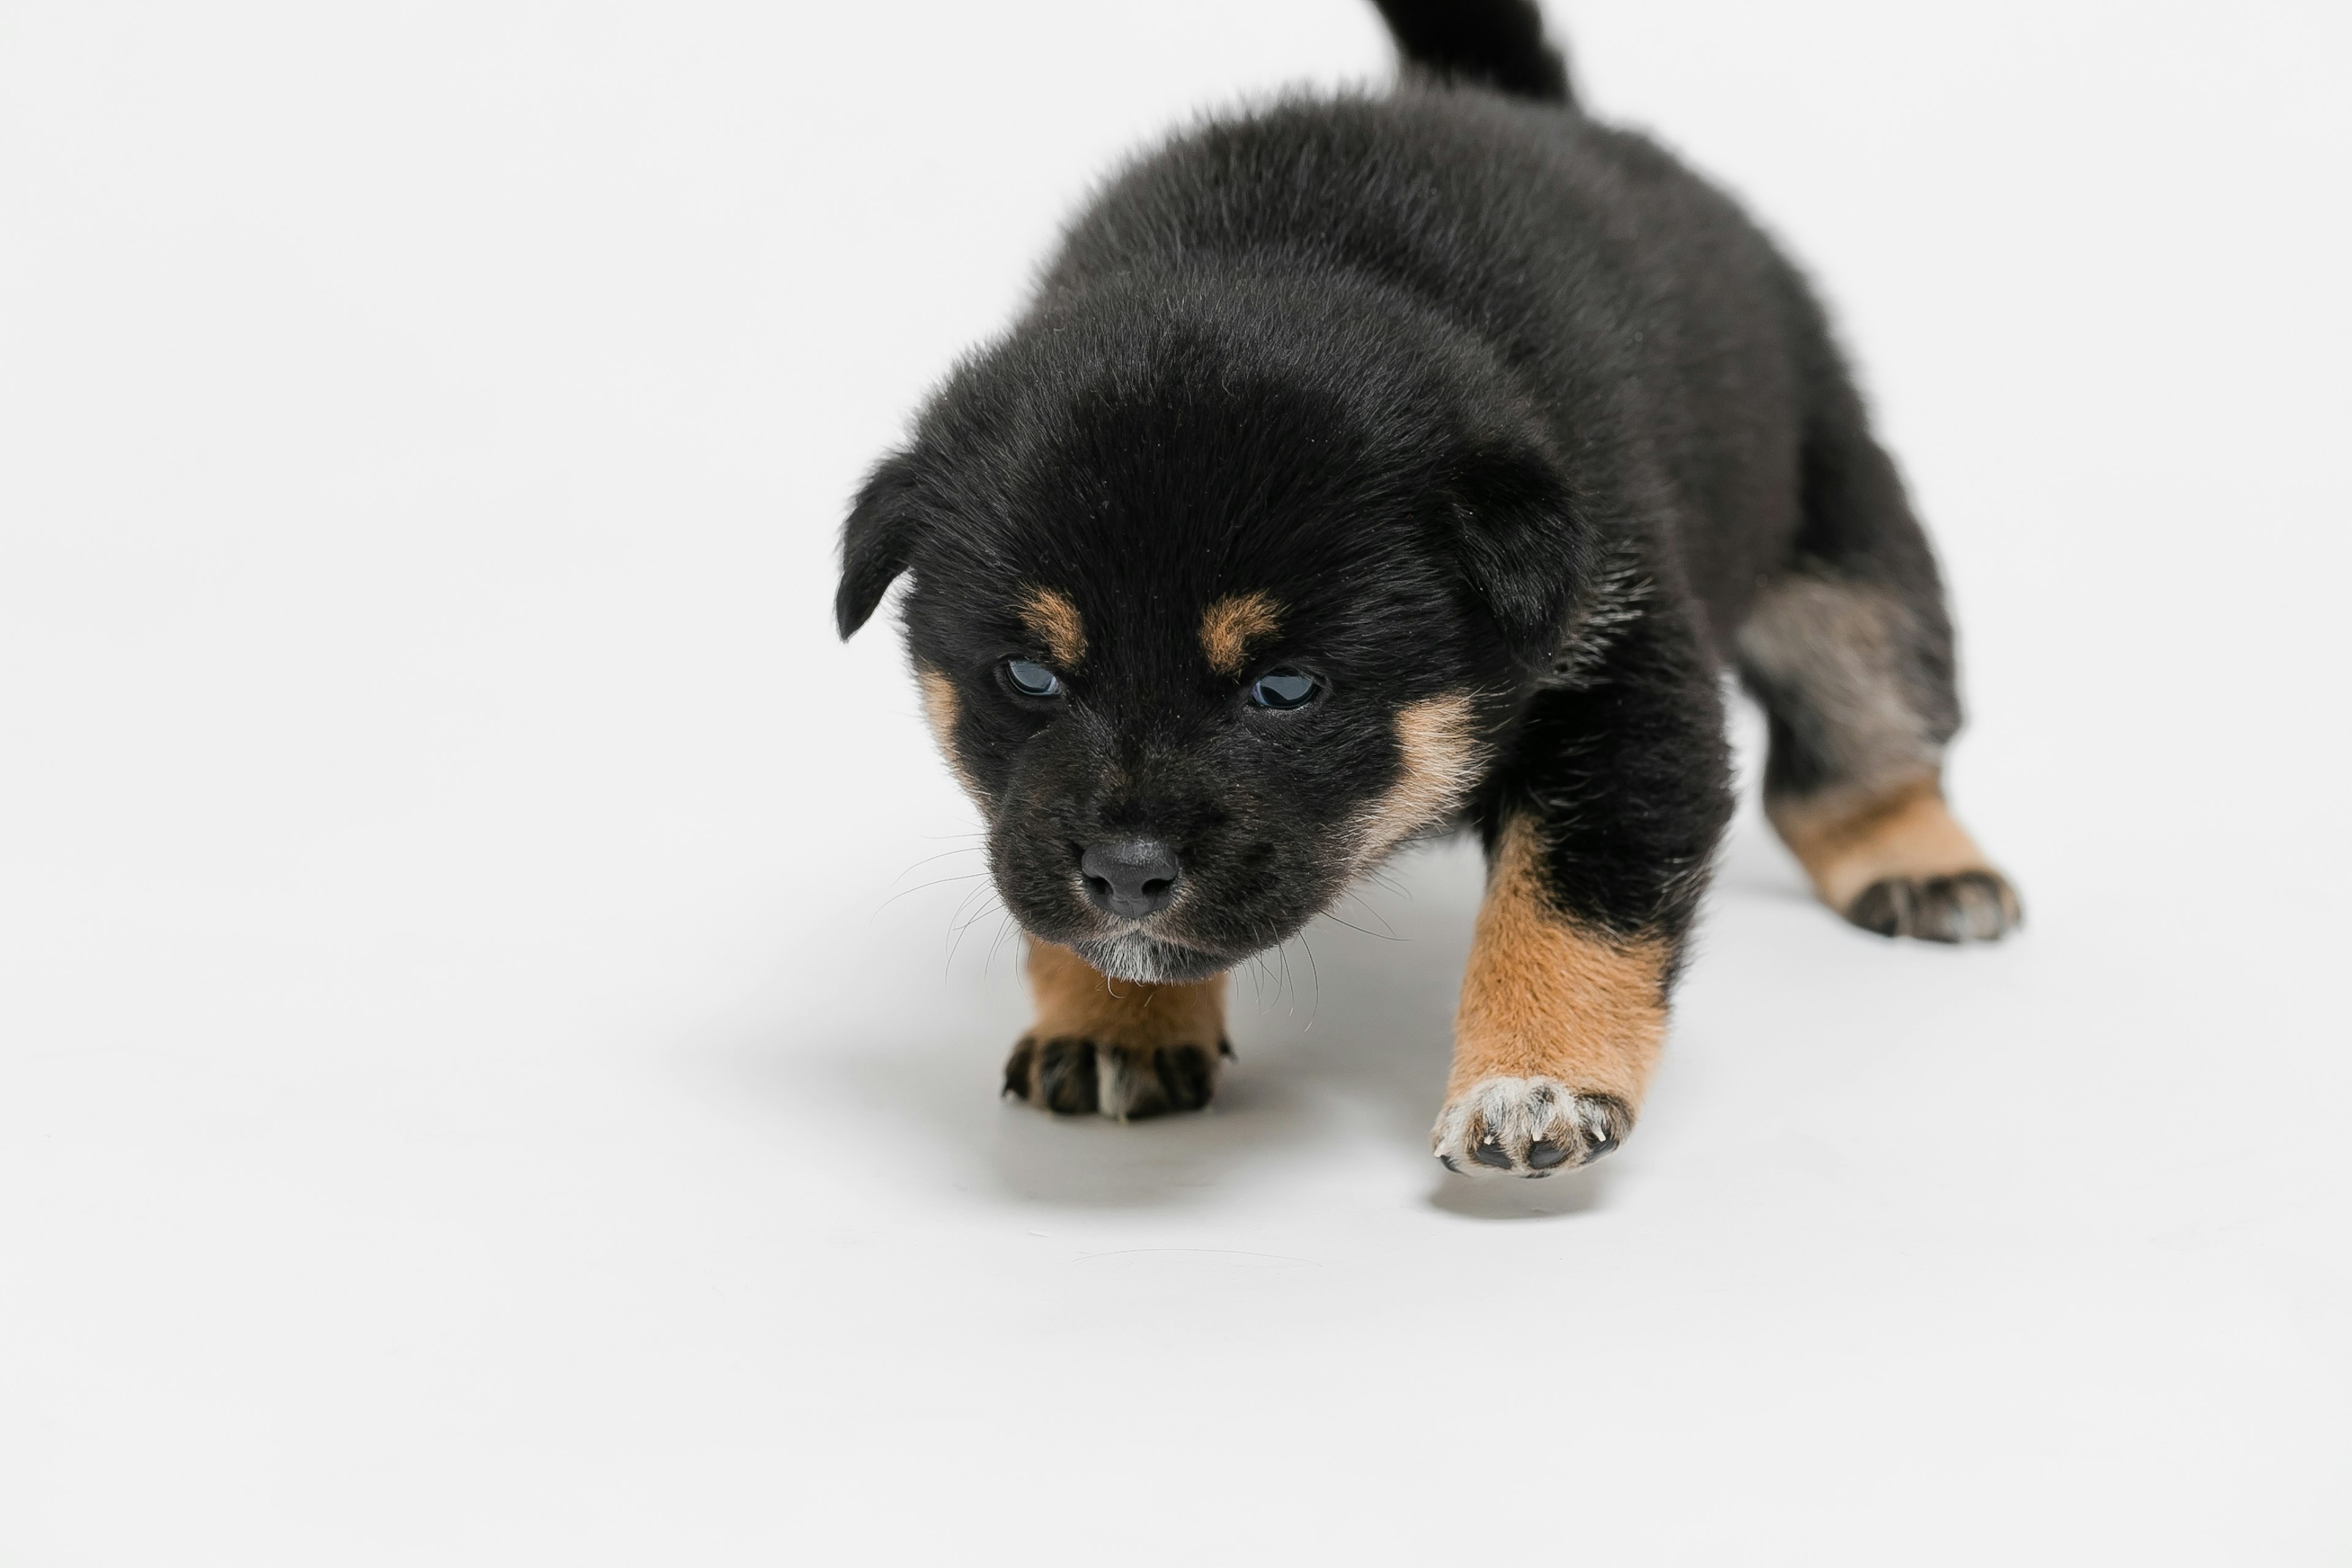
point(1130, 877)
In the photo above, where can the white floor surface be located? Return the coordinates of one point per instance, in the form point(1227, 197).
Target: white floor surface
point(499, 1031)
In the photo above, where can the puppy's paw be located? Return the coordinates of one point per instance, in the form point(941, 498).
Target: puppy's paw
point(1083, 1078)
point(1527, 1127)
point(1966, 906)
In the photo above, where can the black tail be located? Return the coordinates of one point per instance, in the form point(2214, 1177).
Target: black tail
point(1499, 43)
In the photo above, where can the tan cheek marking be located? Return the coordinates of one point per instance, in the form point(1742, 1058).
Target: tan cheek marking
point(1441, 760)
point(1846, 843)
point(1074, 1000)
point(1231, 624)
point(1543, 997)
point(1054, 621)
point(941, 708)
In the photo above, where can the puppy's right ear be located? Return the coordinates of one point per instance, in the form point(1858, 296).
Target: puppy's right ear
point(876, 541)
point(1523, 543)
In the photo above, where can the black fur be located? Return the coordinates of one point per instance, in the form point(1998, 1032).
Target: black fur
point(1494, 43)
point(1493, 400)
point(1064, 1075)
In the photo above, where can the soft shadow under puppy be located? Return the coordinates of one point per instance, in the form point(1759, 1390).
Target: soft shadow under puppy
point(1371, 1035)
point(1552, 1197)
point(1092, 1161)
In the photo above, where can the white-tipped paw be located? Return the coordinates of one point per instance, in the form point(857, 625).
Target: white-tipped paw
point(1083, 1076)
point(1527, 1127)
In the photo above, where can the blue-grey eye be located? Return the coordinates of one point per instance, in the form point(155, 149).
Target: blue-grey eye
point(1030, 679)
point(1285, 689)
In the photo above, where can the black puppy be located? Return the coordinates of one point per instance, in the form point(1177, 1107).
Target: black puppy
point(1372, 467)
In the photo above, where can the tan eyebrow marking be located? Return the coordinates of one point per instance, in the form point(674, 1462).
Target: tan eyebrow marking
point(1054, 621)
point(1231, 624)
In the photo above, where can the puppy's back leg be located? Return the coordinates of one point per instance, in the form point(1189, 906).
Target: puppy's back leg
point(1850, 651)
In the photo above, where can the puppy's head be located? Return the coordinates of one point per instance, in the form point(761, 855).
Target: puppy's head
point(1217, 594)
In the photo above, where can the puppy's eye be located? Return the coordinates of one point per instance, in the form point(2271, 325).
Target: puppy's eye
point(1285, 689)
point(1032, 680)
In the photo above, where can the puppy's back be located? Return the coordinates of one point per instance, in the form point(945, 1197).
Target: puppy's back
point(1633, 302)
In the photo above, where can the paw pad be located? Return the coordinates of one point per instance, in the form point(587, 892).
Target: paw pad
point(1967, 906)
point(1528, 1126)
point(1077, 1077)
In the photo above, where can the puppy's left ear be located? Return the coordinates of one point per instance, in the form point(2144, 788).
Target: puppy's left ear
point(876, 542)
point(1524, 544)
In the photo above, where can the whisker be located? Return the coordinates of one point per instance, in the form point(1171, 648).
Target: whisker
point(1387, 931)
point(936, 882)
point(1314, 1008)
point(983, 912)
point(1003, 925)
point(961, 904)
point(1375, 935)
point(966, 849)
point(957, 941)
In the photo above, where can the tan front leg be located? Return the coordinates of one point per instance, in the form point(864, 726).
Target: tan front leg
point(1558, 1028)
point(1114, 1047)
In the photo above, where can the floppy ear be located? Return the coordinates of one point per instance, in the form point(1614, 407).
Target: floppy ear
point(1524, 545)
point(875, 541)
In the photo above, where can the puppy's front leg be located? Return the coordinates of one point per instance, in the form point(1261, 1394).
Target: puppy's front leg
point(1116, 1047)
point(1598, 841)
point(1558, 1027)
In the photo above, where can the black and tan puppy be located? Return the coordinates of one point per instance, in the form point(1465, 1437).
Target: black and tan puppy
point(1374, 466)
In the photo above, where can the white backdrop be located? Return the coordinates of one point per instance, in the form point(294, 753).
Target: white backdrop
point(487, 1072)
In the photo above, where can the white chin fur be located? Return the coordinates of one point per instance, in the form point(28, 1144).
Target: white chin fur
point(1134, 958)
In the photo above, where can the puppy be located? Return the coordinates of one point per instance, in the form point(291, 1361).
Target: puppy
point(1372, 467)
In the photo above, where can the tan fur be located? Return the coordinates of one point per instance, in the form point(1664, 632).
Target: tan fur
point(1077, 1002)
point(1441, 760)
point(1054, 621)
point(1545, 998)
point(1847, 840)
point(1231, 624)
point(940, 707)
